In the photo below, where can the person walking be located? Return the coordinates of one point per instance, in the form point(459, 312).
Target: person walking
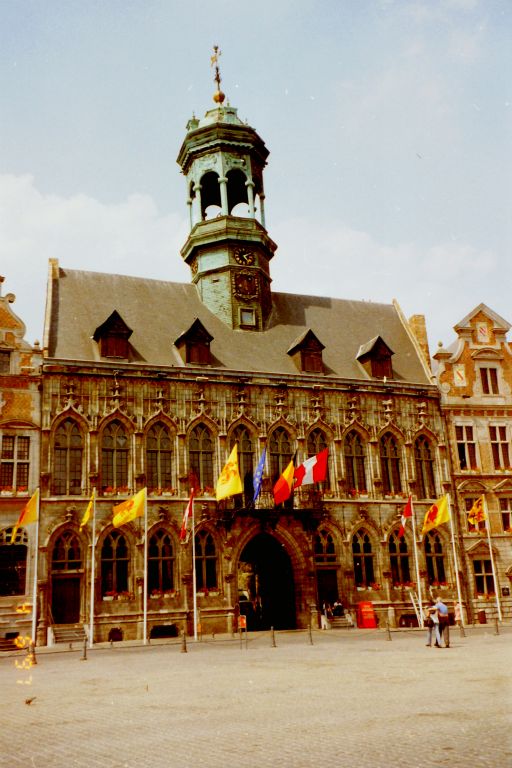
point(444, 622)
point(433, 626)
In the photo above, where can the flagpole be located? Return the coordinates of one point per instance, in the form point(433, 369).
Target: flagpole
point(34, 590)
point(194, 584)
point(455, 561)
point(145, 601)
point(417, 563)
point(488, 529)
point(93, 544)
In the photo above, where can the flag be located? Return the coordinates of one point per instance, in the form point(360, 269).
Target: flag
point(283, 487)
point(258, 475)
point(189, 511)
point(313, 470)
point(229, 482)
point(405, 514)
point(88, 511)
point(477, 513)
point(130, 509)
point(27, 515)
point(438, 514)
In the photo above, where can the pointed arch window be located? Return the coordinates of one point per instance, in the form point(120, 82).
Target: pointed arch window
point(399, 560)
point(317, 442)
point(13, 562)
point(280, 449)
point(424, 460)
point(200, 451)
point(242, 437)
point(434, 557)
point(161, 563)
point(67, 553)
point(115, 453)
point(325, 550)
point(363, 559)
point(206, 561)
point(354, 453)
point(67, 459)
point(158, 457)
point(390, 464)
point(114, 564)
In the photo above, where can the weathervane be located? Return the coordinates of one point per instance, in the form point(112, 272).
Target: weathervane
point(218, 96)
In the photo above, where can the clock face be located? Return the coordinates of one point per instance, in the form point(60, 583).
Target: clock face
point(246, 285)
point(244, 257)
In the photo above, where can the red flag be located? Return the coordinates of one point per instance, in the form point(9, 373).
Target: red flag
point(189, 510)
point(283, 487)
point(405, 514)
point(313, 470)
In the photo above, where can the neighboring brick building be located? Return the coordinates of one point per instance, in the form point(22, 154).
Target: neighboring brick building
point(475, 379)
point(20, 381)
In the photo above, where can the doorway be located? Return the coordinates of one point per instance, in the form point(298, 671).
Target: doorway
point(66, 599)
point(327, 583)
point(266, 589)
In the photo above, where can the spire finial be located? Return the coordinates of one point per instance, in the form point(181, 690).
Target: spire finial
point(218, 96)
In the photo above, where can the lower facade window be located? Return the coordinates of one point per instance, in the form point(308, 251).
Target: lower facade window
point(160, 563)
point(484, 581)
point(399, 560)
point(114, 564)
point(363, 559)
point(206, 561)
point(435, 560)
point(13, 562)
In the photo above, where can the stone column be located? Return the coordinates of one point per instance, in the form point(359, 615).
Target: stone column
point(197, 190)
point(223, 195)
point(250, 198)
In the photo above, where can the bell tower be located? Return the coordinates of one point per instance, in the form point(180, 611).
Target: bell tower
point(228, 249)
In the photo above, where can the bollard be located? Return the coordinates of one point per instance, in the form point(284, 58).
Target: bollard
point(310, 633)
point(31, 653)
point(497, 627)
point(462, 630)
point(183, 642)
point(273, 635)
point(84, 656)
point(240, 633)
point(388, 630)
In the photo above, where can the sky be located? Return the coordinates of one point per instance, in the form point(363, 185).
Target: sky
point(389, 125)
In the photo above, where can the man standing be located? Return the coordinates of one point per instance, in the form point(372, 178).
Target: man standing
point(444, 621)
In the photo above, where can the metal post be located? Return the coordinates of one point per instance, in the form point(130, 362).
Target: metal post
point(84, 656)
point(310, 632)
point(31, 653)
point(273, 636)
point(497, 626)
point(462, 631)
point(240, 634)
point(183, 642)
point(388, 630)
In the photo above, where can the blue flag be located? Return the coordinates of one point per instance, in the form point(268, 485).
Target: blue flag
point(258, 476)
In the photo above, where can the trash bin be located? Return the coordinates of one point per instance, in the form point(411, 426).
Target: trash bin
point(482, 618)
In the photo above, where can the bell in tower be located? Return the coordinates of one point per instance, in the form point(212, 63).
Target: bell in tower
point(228, 249)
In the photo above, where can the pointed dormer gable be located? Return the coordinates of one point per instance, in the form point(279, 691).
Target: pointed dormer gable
point(306, 352)
point(482, 326)
point(194, 344)
point(375, 357)
point(112, 337)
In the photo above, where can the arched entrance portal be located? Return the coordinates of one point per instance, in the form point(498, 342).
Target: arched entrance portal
point(265, 584)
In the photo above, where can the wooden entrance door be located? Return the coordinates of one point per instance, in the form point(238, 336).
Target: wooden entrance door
point(66, 599)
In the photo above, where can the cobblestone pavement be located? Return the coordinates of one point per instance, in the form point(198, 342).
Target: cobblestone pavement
point(353, 698)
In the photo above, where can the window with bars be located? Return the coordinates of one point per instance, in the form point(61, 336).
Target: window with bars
point(354, 454)
point(484, 581)
point(14, 462)
point(67, 458)
point(158, 457)
point(434, 557)
point(424, 460)
point(200, 451)
point(506, 514)
point(489, 380)
point(206, 561)
point(466, 446)
point(390, 464)
point(499, 446)
point(363, 559)
point(161, 562)
point(114, 564)
point(115, 452)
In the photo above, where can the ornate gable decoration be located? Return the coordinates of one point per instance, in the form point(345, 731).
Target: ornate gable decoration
point(375, 357)
point(112, 337)
point(194, 344)
point(306, 353)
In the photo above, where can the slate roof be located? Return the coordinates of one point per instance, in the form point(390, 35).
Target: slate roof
point(160, 312)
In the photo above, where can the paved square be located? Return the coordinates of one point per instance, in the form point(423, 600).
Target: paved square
point(353, 698)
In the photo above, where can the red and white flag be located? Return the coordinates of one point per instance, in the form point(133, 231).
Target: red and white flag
point(313, 470)
point(189, 511)
point(405, 514)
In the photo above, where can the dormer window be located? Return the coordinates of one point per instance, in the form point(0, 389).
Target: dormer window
point(306, 353)
point(194, 344)
point(5, 361)
point(112, 337)
point(375, 357)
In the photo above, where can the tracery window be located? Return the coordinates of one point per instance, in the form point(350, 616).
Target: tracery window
point(325, 550)
point(424, 459)
point(67, 552)
point(242, 437)
point(114, 564)
point(14, 462)
point(206, 561)
point(13, 562)
point(390, 464)
point(363, 559)
point(67, 458)
point(200, 451)
point(115, 452)
point(161, 561)
point(280, 450)
point(399, 560)
point(355, 458)
point(158, 457)
point(435, 559)
point(317, 442)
